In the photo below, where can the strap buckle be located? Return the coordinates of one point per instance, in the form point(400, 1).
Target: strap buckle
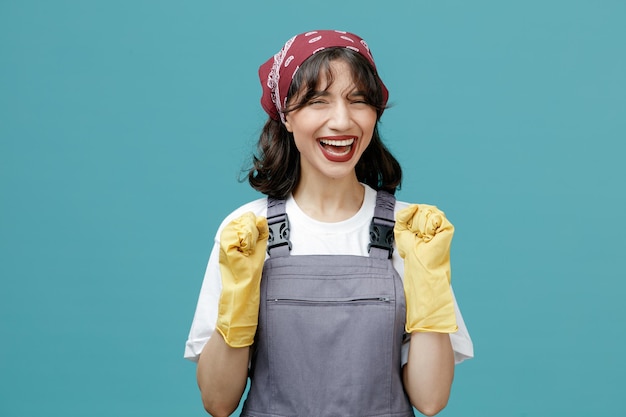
point(278, 226)
point(381, 235)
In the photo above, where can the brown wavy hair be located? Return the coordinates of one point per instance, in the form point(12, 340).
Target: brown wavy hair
point(276, 164)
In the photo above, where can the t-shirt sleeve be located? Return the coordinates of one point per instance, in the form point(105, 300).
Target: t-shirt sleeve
point(461, 340)
point(205, 317)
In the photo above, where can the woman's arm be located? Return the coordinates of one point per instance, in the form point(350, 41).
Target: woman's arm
point(423, 236)
point(223, 364)
point(429, 371)
point(222, 373)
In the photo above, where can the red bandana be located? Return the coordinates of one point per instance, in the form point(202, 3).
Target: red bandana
point(277, 72)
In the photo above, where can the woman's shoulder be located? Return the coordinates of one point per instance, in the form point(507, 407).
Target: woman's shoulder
point(257, 207)
point(401, 205)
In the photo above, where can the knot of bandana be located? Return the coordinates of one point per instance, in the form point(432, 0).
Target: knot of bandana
point(278, 71)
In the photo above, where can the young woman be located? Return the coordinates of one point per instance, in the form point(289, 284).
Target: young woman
point(331, 296)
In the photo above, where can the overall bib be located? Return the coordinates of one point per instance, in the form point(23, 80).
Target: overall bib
point(330, 328)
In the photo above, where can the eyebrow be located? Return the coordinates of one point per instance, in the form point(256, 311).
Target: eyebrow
point(357, 93)
point(319, 93)
point(323, 93)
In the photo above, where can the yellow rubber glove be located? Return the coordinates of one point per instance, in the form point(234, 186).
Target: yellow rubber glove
point(242, 253)
point(423, 237)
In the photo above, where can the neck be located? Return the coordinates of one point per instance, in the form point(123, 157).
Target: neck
point(333, 200)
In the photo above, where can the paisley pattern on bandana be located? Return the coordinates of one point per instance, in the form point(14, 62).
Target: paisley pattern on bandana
point(277, 72)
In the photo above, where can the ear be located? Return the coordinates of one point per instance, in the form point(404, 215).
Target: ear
point(287, 124)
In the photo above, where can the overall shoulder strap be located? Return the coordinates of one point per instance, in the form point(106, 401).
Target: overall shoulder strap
point(278, 243)
point(381, 228)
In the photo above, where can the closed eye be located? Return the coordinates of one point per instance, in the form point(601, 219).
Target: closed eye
point(318, 98)
point(358, 98)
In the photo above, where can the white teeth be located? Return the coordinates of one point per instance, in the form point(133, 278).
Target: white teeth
point(331, 142)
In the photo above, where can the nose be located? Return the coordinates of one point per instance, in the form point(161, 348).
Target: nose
point(340, 117)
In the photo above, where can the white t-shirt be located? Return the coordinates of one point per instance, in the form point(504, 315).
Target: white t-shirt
point(308, 237)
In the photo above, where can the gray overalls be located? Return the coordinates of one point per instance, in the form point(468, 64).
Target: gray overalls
point(330, 328)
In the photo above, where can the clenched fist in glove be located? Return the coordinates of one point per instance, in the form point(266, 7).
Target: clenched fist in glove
point(423, 237)
point(242, 253)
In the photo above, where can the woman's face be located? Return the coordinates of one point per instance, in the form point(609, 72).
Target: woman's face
point(334, 128)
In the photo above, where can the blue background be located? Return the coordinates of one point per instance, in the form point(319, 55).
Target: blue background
point(124, 126)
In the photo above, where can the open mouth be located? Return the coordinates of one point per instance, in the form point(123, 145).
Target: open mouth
point(338, 149)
